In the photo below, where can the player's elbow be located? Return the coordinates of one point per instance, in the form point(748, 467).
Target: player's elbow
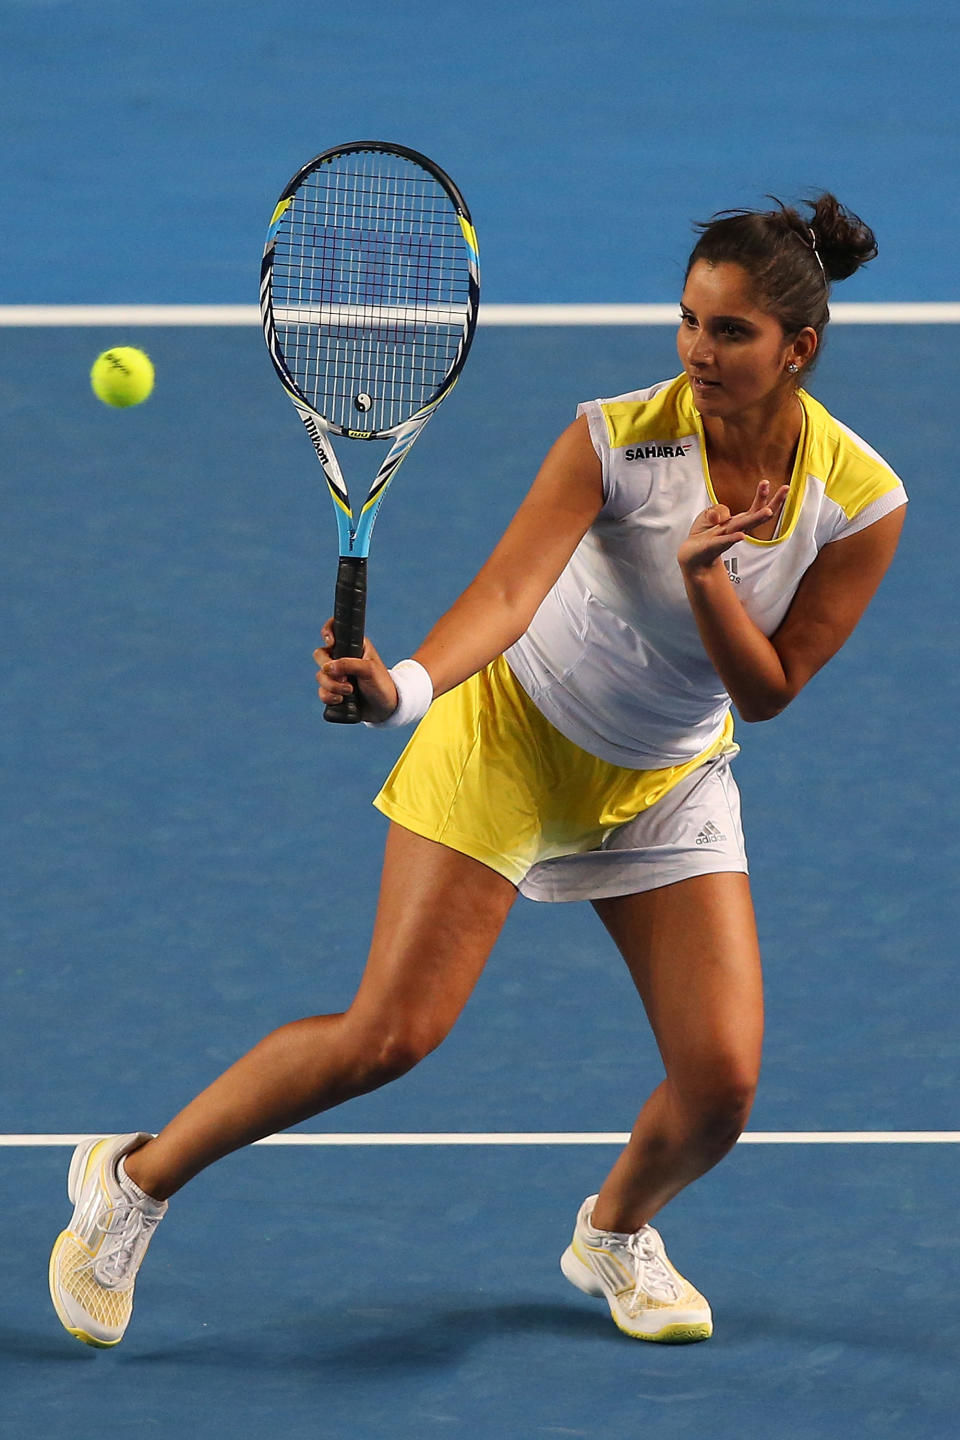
point(764, 696)
point(753, 709)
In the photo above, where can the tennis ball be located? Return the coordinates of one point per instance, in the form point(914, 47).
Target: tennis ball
point(122, 376)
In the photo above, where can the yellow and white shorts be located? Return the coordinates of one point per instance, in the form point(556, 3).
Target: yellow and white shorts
point(486, 774)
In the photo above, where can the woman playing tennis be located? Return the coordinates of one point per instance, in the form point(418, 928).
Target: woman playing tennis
point(710, 541)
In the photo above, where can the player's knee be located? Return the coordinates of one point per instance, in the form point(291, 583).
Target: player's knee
point(395, 1052)
point(720, 1111)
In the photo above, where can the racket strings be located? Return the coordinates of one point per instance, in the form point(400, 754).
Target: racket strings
point(371, 289)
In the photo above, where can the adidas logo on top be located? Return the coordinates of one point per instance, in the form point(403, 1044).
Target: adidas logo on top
point(710, 835)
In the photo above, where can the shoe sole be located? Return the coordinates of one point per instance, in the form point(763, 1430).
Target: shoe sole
point(678, 1333)
point(75, 1178)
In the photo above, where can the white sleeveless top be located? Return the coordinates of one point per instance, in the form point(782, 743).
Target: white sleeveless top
point(613, 657)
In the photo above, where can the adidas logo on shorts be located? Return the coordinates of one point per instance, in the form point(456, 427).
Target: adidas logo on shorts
point(710, 835)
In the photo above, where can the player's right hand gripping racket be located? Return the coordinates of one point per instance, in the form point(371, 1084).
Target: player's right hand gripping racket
point(369, 289)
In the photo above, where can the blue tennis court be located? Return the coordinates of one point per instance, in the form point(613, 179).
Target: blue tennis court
point(178, 876)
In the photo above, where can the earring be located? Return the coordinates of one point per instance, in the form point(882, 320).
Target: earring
point(793, 368)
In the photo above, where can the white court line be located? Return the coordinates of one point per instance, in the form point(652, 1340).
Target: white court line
point(926, 312)
point(548, 1137)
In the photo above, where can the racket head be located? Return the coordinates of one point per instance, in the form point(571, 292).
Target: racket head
point(369, 287)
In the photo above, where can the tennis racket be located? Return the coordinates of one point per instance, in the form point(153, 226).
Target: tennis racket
point(369, 287)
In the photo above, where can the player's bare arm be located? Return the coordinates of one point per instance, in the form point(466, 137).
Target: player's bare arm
point(498, 605)
point(763, 675)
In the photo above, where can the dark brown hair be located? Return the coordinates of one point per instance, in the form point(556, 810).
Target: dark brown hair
point(791, 258)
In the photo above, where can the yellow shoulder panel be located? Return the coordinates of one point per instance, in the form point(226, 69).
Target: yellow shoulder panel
point(852, 473)
point(665, 416)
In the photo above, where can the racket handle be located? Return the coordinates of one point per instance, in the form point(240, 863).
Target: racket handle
point(349, 609)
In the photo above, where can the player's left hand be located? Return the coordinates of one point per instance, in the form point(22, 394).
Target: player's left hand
point(715, 530)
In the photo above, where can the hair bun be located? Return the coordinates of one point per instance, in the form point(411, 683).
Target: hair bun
point(844, 242)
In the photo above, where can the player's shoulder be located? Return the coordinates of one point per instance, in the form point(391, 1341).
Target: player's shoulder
point(659, 414)
point(852, 473)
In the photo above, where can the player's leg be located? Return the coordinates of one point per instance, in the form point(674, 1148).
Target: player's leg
point(438, 916)
point(692, 950)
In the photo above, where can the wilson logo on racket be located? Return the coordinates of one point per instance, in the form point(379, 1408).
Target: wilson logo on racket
point(316, 435)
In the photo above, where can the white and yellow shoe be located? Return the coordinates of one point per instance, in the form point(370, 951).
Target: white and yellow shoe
point(648, 1298)
point(94, 1263)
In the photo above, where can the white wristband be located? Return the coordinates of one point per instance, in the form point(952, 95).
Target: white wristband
point(414, 694)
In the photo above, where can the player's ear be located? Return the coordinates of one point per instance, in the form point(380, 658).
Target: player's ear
point(804, 347)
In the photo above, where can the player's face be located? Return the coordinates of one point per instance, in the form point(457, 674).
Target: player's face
point(734, 351)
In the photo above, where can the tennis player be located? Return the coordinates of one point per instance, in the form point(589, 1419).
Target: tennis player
point(706, 542)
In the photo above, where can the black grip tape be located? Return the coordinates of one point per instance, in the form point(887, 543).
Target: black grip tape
point(349, 610)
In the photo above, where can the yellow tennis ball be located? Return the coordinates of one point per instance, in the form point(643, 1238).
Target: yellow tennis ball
point(122, 376)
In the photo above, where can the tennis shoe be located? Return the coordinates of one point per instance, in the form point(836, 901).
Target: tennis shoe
point(648, 1298)
point(94, 1263)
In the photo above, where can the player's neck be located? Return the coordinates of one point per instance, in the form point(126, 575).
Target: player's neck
point(761, 440)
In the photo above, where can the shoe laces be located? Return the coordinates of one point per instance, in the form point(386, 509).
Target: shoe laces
point(652, 1277)
point(127, 1232)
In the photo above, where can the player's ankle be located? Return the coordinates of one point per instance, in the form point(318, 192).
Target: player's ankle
point(619, 1216)
point(137, 1168)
